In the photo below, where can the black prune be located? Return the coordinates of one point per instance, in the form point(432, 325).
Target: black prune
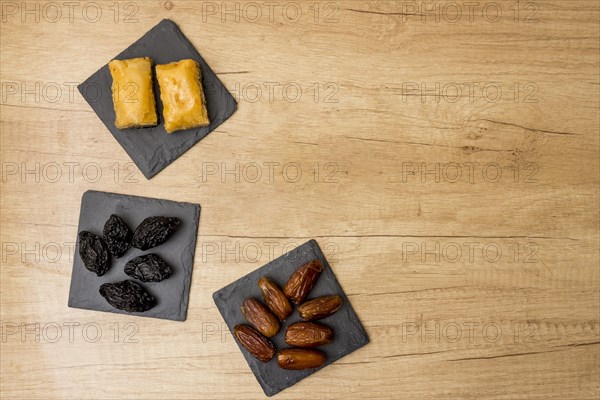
point(128, 296)
point(117, 235)
point(154, 231)
point(94, 253)
point(148, 268)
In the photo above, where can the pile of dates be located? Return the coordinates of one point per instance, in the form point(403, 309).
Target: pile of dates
point(304, 336)
point(117, 238)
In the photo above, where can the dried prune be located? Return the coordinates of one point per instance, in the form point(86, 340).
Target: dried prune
point(128, 296)
point(148, 268)
point(154, 231)
point(117, 235)
point(94, 253)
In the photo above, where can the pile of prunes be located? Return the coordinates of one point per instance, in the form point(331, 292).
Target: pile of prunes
point(117, 238)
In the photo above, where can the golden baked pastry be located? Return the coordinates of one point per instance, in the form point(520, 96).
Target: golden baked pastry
point(133, 95)
point(184, 106)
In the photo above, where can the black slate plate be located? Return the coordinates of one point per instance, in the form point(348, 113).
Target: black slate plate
point(349, 334)
point(152, 149)
point(172, 294)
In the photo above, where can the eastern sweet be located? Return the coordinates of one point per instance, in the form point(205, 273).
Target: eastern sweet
point(184, 105)
point(132, 93)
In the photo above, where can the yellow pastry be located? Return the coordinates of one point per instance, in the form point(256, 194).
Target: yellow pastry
point(133, 95)
point(184, 106)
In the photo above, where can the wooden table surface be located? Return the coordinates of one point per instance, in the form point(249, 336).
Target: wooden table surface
point(444, 156)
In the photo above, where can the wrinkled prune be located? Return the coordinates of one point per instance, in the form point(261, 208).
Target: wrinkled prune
point(128, 296)
point(94, 253)
point(154, 231)
point(117, 235)
point(148, 268)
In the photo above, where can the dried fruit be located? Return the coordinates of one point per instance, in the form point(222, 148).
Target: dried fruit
point(308, 334)
point(94, 253)
point(302, 281)
point(258, 345)
point(127, 295)
point(117, 235)
point(300, 358)
point(275, 299)
point(154, 231)
point(148, 268)
point(320, 307)
point(260, 317)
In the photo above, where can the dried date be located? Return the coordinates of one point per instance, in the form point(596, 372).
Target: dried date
point(154, 231)
point(302, 281)
point(260, 317)
point(320, 308)
point(94, 253)
point(308, 334)
point(258, 345)
point(300, 358)
point(148, 268)
point(117, 235)
point(128, 296)
point(275, 299)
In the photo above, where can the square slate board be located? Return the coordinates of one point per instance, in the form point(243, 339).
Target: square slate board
point(349, 334)
point(152, 149)
point(172, 294)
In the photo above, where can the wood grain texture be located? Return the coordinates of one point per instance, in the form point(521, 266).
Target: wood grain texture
point(462, 222)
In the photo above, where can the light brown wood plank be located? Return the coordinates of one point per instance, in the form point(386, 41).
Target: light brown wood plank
point(462, 222)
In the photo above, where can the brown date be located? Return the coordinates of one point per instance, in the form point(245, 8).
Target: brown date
point(300, 358)
point(302, 281)
point(308, 334)
point(275, 299)
point(320, 308)
point(260, 317)
point(258, 345)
